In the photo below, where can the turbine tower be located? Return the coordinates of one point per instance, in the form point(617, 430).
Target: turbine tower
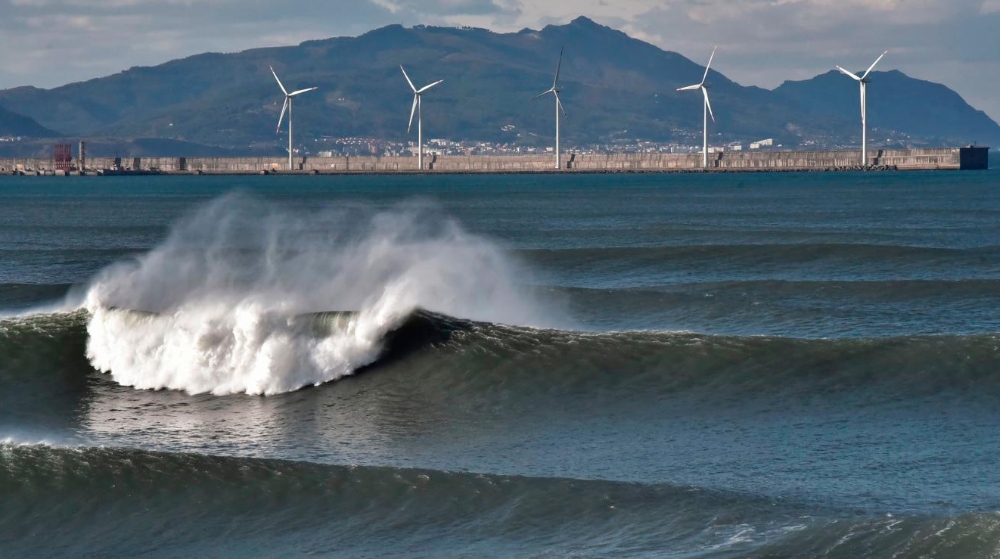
point(863, 81)
point(288, 107)
point(559, 107)
point(708, 107)
point(417, 110)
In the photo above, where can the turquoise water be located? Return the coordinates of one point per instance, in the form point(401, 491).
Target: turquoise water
point(600, 366)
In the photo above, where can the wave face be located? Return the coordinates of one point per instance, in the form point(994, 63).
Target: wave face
point(127, 502)
point(650, 407)
point(226, 283)
point(753, 366)
point(592, 363)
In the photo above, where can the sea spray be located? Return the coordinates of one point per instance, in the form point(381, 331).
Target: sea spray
point(213, 308)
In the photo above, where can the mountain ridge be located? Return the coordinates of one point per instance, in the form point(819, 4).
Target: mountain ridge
point(623, 88)
point(14, 124)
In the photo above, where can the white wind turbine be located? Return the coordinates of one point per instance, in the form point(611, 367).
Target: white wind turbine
point(559, 107)
point(417, 110)
point(288, 107)
point(863, 81)
point(708, 106)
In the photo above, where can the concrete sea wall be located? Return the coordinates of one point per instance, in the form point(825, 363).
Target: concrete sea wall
point(908, 159)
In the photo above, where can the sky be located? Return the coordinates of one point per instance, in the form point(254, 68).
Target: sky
point(47, 43)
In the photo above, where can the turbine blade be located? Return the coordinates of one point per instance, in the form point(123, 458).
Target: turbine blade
point(872, 67)
point(282, 117)
point(426, 87)
point(408, 80)
point(690, 87)
point(283, 90)
point(708, 104)
point(301, 91)
point(540, 95)
point(851, 74)
point(709, 66)
point(559, 105)
point(413, 111)
point(555, 82)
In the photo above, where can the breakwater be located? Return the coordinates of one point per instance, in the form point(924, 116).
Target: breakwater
point(964, 158)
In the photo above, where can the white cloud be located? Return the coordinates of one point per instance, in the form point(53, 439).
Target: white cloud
point(441, 7)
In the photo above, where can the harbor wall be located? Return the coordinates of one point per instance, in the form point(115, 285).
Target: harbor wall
point(905, 159)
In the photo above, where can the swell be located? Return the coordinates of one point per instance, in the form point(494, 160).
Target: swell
point(654, 365)
point(127, 502)
point(811, 309)
point(757, 251)
point(878, 290)
point(134, 502)
point(469, 357)
point(638, 266)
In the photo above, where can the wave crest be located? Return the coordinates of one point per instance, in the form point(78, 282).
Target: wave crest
point(229, 280)
point(366, 510)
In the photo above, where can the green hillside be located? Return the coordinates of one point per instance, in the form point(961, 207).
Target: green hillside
point(614, 87)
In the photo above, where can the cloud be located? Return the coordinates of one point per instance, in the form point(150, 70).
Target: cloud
point(761, 42)
point(441, 7)
point(49, 42)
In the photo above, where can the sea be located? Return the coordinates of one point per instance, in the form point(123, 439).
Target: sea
point(724, 365)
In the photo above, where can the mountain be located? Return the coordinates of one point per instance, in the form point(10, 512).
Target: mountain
point(13, 124)
point(614, 87)
point(895, 102)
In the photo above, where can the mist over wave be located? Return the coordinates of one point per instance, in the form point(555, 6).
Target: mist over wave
point(221, 294)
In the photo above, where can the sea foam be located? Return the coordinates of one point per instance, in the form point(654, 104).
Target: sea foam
point(218, 298)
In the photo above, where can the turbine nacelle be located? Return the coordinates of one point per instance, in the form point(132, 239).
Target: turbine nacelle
point(864, 77)
point(554, 90)
point(416, 95)
point(288, 97)
point(703, 86)
point(863, 83)
point(286, 107)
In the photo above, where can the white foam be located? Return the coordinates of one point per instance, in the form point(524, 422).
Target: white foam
point(68, 305)
point(227, 281)
point(33, 441)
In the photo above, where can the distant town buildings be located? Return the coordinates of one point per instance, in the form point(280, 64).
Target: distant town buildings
point(330, 146)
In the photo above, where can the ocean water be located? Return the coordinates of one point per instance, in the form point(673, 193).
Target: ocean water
point(772, 365)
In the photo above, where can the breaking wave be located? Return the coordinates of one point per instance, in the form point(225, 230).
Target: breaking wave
point(532, 361)
point(220, 297)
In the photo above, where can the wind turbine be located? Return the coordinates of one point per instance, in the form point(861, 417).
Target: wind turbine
point(708, 106)
point(559, 106)
point(863, 81)
point(417, 110)
point(288, 107)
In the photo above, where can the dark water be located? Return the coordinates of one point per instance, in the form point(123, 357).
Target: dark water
point(728, 366)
